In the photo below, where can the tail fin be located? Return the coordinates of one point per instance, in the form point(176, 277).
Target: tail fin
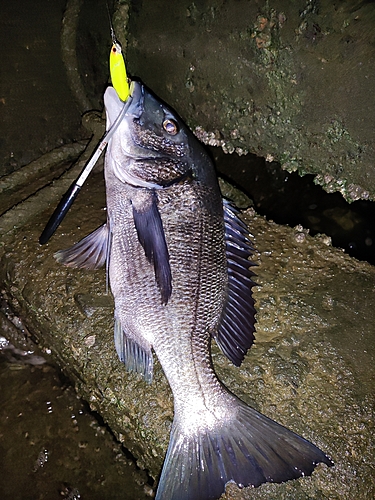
point(250, 450)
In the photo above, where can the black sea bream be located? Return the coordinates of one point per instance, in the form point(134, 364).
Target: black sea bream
point(179, 270)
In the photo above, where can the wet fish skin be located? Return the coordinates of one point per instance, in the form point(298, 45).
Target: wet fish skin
point(179, 273)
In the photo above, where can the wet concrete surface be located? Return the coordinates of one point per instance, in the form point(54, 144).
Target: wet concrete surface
point(51, 445)
point(38, 110)
point(312, 367)
point(290, 81)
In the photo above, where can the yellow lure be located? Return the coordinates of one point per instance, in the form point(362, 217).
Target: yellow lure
point(118, 71)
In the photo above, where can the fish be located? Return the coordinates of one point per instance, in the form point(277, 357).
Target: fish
point(178, 257)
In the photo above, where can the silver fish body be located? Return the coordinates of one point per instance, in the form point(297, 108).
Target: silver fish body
point(180, 275)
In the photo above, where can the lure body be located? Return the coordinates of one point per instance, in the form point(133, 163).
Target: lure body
point(118, 71)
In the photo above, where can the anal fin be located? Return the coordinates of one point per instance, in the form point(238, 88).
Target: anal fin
point(135, 357)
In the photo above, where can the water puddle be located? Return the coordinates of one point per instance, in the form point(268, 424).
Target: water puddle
point(51, 445)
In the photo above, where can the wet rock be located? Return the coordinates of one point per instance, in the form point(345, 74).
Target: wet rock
point(312, 367)
point(89, 304)
point(291, 81)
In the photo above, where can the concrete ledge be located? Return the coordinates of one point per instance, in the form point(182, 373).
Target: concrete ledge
point(312, 368)
point(291, 81)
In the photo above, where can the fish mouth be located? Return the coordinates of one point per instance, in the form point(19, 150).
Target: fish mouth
point(136, 100)
point(134, 110)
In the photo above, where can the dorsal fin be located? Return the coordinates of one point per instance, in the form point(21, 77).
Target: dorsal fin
point(235, 333)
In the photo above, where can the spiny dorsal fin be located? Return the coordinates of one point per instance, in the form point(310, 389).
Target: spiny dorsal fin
point(235, 333)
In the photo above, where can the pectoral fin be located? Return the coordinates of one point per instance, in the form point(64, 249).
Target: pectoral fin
point(151, 235)
point(235, 334)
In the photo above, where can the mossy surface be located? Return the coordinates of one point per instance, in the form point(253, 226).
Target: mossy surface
point(311, 369)
point(290, 81)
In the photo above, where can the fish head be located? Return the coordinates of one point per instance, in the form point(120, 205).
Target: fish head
point(152, 146)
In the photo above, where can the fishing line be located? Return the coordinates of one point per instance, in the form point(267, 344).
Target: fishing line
point(120, 84)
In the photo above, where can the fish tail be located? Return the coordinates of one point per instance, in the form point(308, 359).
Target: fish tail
point(249, 450)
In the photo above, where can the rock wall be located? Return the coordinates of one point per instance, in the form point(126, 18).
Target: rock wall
point(289, 81)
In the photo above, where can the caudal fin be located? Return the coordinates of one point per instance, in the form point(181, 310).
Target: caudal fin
point(250, 450)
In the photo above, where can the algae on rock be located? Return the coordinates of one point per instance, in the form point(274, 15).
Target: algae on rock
point(290, 81)
point(311, 368)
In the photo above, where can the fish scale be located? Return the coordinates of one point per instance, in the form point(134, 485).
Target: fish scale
point(194, 303)
point(180, 273)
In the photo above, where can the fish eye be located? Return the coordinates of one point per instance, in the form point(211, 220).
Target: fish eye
point(170, 126)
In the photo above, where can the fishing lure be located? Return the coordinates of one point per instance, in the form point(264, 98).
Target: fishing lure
point(118, 70)
point(120, 83)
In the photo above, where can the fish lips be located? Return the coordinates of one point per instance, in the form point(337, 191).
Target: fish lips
point(131, 109)
point(127, 112)
point(136, 100)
